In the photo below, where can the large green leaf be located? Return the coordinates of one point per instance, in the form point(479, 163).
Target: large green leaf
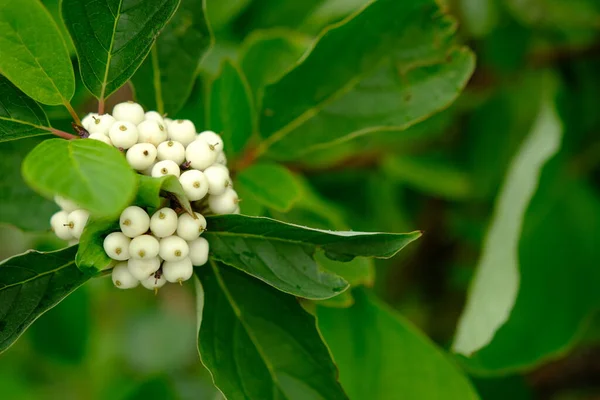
point(15, 195)
point(380, 355)
point(388, 100)
point(412, 31)
point(496, 283)
point(270, 184)
point(259, 343)
point(281, 254)
point(230, 108)
point(165, 79)
point(152, 191)
point(93, 174)
point(19, 115)
point(112, 37)
point(263, 14)
point(33, 54)
point(31, 284)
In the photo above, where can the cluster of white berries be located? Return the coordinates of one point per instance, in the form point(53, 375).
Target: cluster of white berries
point(159, 146)
point(165, 246)
point(156, 249)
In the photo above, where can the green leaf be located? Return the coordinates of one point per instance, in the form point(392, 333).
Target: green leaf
point(270, 184)
point(33, 54)
point(221, 12)
point(281, 254)
point(172, 63)
point(113, 37)
point(389, 100)
point(230, 108)
point(263, 14)
point(20, 116)
point(91, 257)
point(380, 354)
point(495, 286)
point(31, 284)
point(151, 192)
point(360, 271)
point(292, 101)
point(93, 174)
point(259, 343)
point(266, 56)
point(15, 195)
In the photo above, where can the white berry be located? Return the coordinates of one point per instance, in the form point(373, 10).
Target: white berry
point(101, 138)
point(221, 158)
point(189, 228)
point(212, 139)
point(101, 124)
point(141, 156)
point(154, 282)
point(141, 269)
point(85, 122)
point(200, 155)
point(129, 111)
point(116, 246)
point(152, 132)
point(134, 221)
point(194, 184)
point(183, 131)
point(123, 134)
point(66, 204)
point(122, 278)
point(225, 203)
point(171, 150)
point(165, 167)
point(198, 251)
point(154, 116)
point(77, 220)
point(173, 248)
point(178, 271)
point(217, 176)
point(143, 247)
point(60, 225)
point(163, 222)
point(148, 171)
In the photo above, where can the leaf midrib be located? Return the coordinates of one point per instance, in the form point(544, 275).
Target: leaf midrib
point(110, 49)
point(36, 276)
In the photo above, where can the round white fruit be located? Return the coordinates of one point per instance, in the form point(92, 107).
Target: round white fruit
point(212, 139)
point(165, 167)
point(171, 150)
point(218, 179)
point(154, 116)
point(200, 155)
point(143, 247)
point(123, 134)
point(173, 248)
point(129, 111)
point(116, 246)
point(178, 271)
point(66, 204)
point(194, 184)
point(76, 221)
point(101, 124)
point(134, 221)
point(101, 138)
point(189, 228)
point(154, 282)
point(163, 223)
point(141, 156)
point(183, 131)
point(151, 132)
point(225, 203)
point(221, 159)
point(85, 122)
point(60, 225)
point(198, 251)
point(122, 278)
point(142, 269)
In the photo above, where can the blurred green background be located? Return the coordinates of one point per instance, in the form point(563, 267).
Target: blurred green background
point(441, 176)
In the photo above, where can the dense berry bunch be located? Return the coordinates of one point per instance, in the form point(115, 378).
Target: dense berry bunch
point(162, 247)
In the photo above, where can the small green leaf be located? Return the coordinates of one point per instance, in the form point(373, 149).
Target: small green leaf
point(270, 184)
point(495, 286)
point(20, 116)
point(33, 54)
point(93, 174)
point(113, 37)
point(172, 63)
point(31, 284)
point(151, 192)
point(15, 195)
point(230, 108)
point(259, 343)
point(282, 254)
point(401, 361)
point(91, 257)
